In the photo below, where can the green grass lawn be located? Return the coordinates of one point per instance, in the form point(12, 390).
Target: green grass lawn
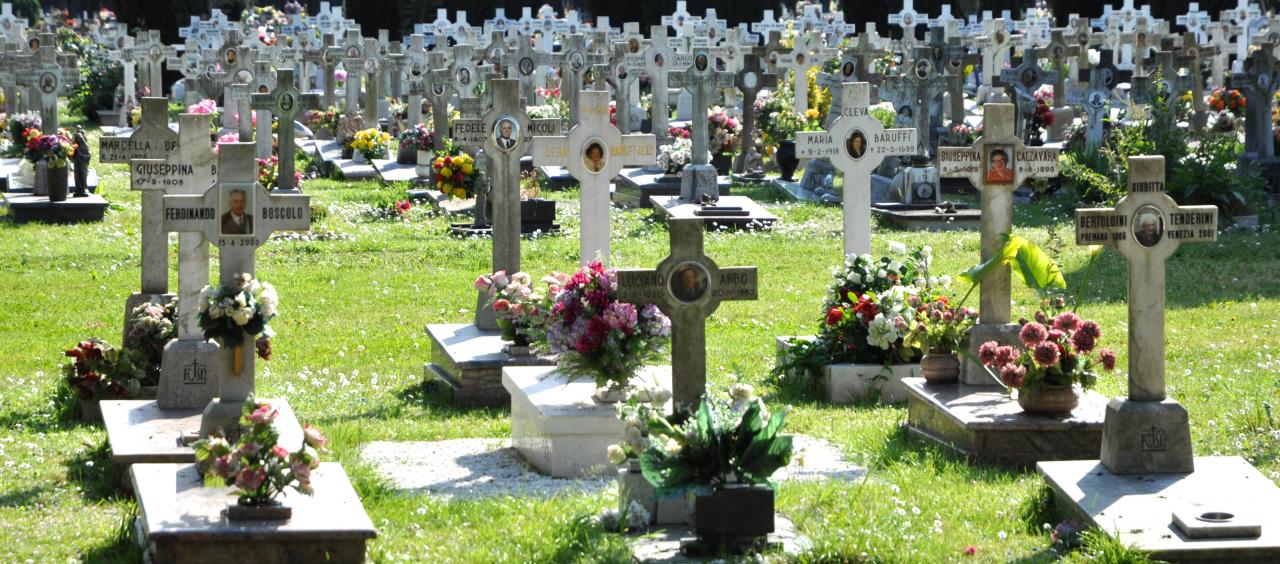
point(351, 346)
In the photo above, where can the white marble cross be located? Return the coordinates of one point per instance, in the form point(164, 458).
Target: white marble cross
point(285, 103)
point(659, 58)
point(908, 18)
point(702, 80)
point(353, 55)
point(50, 74)
point(807, 53)
point(750, 81)
point(994, 46)
point(856, 143)
point(594, 152)
point(151, 51)
point(680, 20)
point(12, 28)
point(577, 60)
point(688, 286)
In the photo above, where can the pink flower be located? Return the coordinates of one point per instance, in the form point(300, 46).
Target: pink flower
point(1056, 335)
point(483, 283)
point(987, 352)
point(280, 452)
point(501, 305)
point(313, 437)
point(1005, 355)
point(1108, 358)
point(250, 479)
point(222, 467)
point(248, 449)
point(264, 414)
point(1032, 334)
point(1083, 342)
point(970, 550)
point(339, 75)
point(1066, 321)
point(300, 470)
point(1046, 353)
point(1041, 317)
point(1013, 375)
point(1091, 328)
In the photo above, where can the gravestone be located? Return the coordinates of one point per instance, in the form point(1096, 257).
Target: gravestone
point(1192, 54)
point(688, 287)
point(415, 61)
point(285, 103)
point(50, 74)
point(1096, 98)
point(237, 244)
point(578, 153)
point(994, 46)
point(152, 53)
point(750, 81)
point(807, 53)
point(575, 63)
point(856, 143)
point(353, 55)
point(1024, 80)
point(189, 367)
point(439, 90)
point(996, 165)
point(698, 179)
point(1258, 79)
point(1059, 52)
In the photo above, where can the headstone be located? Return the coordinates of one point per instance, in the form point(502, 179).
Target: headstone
point(856, 143)
point(996, 165)
point(285, 103)
point(1096, 98)
point(1258, 79)
point(750, 81)
point(688, 287)
point(594, 152)
point(701, 79)
point(236, 188)
point(51, 74)
point(1025, 79)
point(577, 60)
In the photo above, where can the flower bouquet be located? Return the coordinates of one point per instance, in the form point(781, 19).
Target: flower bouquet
point(17, 125)
point(371, 143)
point(961, 135)
point(258, 467)
point(1227, 100)
point(324, 121)
point(940, 329)
point(151, 327)
point(54, 149)
point(207, 107)
point(238, 310)
point(348, 127)
point(596, 335)
point(517, 305)
point(269, 170)
point(103, 371)
point(416, 144)
point(455, 172)
point(1057, 353)
point(673, 156)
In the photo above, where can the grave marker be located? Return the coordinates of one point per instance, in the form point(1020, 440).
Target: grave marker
point(285, 103)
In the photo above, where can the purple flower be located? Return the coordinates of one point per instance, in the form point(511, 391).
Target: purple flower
point(621, 317)
point(1046, 353)
point(1032, 334)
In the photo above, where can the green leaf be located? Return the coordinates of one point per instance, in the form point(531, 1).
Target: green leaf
point(1035, 267)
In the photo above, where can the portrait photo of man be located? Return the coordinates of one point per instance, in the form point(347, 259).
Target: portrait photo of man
point(688, 283)
point(998, 171)
point(700, 62)
point(856, 144)
point(1148, 226)
point(464, 76)
point(526, 66)
point(593, 157)
point(847, 69)
point(505, 134)
point(658, 60)
point(237, 220)
point(633, 45)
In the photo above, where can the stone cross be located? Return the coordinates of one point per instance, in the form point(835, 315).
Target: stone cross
point(624, 70)
point(1146, 432)
point(1096, 97)
point(908, 18)
point(594, 152)
point(688, 287)
point(524, 63)
point(1192, 54)
point(11, 26)
point(505, 133)
point(464, 71)
point(191, 65)
point(856, 143)
point(327, 56)
point(1258, 79)
point(285, 103)
point(1220, 38)
point(189, 169)
point(415, 61)
point(750, 81)
point(927, 82)
point(151, 140)
point(439, 86)
point(353, 56)
point(1025, 79)
point(1058, 52)
point(51, 75)
point(1248, 20)
point(129, 78)
point(577, 60)
point(153, 53)
point(212, 214)
point(808, 52)
point(1196, 21)
point(996, 165)
point(659, 57)
point(702, 80)
point(994, 46)
point(773, 48)
point(680, 20)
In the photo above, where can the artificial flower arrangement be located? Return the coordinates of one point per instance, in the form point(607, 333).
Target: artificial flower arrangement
point(1042, 115)
point(516, 302)
point(340, 77)
point(54, 149)
point(18, 124)
point(269, 170)
point(103, 371)
point(940, 326)
point(324, 119)
point(455, 172)
point(593, 333)
point(962, 135)
point(673, 156)
point(1056, 351)
point(258, 467)
point(1227, 100)
point(775, 119)
point(151, 326)
point(371, 143)
point(418, 137)
point(642, 405)
point(551, 97)
point(238, 310)
point(722, 129)
point(544, 111)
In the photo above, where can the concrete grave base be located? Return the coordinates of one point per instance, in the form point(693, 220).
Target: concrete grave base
point(556, 424)
point(635, 187)
point(180, 520)
point(189, 374)
point(442, 202)
point(663, 544)
point(729, 211)
point(470, 362)
point(983, 423)
point(632, 486)
point(975, 374)
point(558, 177)
point(850, 383)
point(388, 170)
point(1146, 436)
point(928, 217)
point(1139, 509)
point(20, 183)
point(797, 192)
point(24, 207)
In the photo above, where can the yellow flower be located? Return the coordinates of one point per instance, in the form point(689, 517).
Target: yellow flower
point(811, 113)
point(467, 168)
point(446, 172)
point(446, 188)
point(460, 193)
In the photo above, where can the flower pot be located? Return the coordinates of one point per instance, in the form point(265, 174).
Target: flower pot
point(722, 162)
point(359, 158)
point(424, 164)
point(57, 184)
point(242, 510)
point(1049, 400)
point(787, 161)
point(407, 154)
point(348, 153)
point(323, 133)
point(90, 411)
point(610, 394)
point(940, 368)
point(733, 513)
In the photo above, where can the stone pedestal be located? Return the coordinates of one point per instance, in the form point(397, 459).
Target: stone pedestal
point(1147, 436)
point(1139, 509)
point(975, 374)
point(470, 362)
point(697, 181)
point(635, 187)
point(850, 383)
point(983, 423)
point(633, 486)
point(728, 211)
point(188, 374)
point(557, 425)
point(181, 521)
point(1063, 117)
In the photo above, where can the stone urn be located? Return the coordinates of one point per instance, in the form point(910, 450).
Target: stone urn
point(940, 367)
point(723, 161)
point(1049, 400)
point(423, 170)
point(786, 158)
point(56, 183)
point(732, 515)
point(245, 510)
point(406, 154)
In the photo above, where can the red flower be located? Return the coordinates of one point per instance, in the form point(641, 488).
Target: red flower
point(834, 315)
point(1108, 358)
point(987, 353)
point(1046, 353)
point(1005, 355)
point(1012, 375)
point(1032, 334)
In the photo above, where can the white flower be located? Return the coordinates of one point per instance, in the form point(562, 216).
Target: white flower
point(240, 302)
point(521, 278)
point(897, 248)
point(216, 312)
point(866, 257)
point(672, 448)
point(927, 252)
point(617, 455)
point(919, 282)
point(242, 316)
point(500, 279)
point(895, 266)
point(268, 299)
point(660, 397)
point(882, 274)
point(242, 280)
point(945, 281)
point(882, 333)
point(933, 280)
point(744, 392)
point(855, 278)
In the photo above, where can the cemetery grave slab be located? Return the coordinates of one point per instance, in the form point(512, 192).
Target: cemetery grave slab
point(982, 422)
point(388, 170)
point(928, 217)
point(798, 192)
point(442, 202)
point(556, 424)
point(350, 169)
point(181, 521)
point(141, 432)
point(557, 177)
point(850, 383)
point(8, 167)
point(19, 183)
point(470, 362)
point(663, 545)
point(636, 186)
point(1139, 508)
point(24, 207)
point(728, 211)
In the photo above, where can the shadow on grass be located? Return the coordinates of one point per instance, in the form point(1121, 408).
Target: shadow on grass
point(98, 476)
point(121, 547)
point(22, 498)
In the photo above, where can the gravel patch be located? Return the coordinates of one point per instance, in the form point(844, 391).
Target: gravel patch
point(478, 468)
